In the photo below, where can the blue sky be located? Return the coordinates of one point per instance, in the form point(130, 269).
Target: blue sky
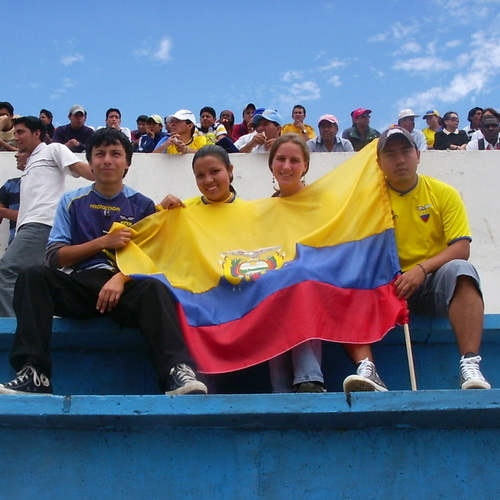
point(331, 56)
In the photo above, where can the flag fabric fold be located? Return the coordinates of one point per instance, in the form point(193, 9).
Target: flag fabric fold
point(254, 279)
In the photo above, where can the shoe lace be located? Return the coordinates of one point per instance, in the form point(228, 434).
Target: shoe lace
point(183, 374)
point(469, 368)
point(27, 372)
point(23, 374)
point(366, 368)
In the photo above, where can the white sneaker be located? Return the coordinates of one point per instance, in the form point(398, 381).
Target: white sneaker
point(470, 374)
point(366, 379)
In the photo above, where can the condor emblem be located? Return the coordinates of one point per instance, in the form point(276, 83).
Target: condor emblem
point(250, 265)
point(424, 212)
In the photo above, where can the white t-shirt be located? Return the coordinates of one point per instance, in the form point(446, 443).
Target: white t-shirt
point(42, 183)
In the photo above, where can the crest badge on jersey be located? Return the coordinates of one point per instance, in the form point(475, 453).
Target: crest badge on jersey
point(424, 212)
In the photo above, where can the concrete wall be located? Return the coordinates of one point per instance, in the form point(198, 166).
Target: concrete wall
point(475, 174)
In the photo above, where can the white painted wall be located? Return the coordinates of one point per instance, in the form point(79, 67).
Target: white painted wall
point(475, 174)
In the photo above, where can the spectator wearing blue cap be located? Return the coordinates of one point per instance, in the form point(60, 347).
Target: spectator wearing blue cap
point(267, 123)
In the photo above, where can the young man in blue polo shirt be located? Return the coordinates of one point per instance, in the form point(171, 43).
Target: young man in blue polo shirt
point(82, 242)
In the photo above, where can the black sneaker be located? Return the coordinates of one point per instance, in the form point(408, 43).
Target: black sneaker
point(183, 381)
point(28, 381)
point(309, 387)
point(366, 379)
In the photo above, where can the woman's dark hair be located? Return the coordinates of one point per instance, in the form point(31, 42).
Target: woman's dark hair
point(472, 112)
point(47, 113)
point(219, 153)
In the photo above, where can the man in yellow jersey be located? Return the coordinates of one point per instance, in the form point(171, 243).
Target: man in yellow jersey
point(433, 241)
point(298, 126)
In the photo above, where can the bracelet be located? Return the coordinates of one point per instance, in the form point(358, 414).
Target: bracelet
point(423, 269)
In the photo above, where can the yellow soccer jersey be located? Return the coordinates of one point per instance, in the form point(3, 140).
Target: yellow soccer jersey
point(429, 137)
point(427, 220)
point(291, 128)
point(197, 142)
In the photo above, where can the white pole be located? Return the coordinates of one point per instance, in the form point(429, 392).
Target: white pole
point(409, 353)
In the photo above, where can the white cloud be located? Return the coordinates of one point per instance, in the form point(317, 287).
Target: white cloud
point(292, 75)
point(335, 81)
point(333, 64)
point(402, 32)
point(67, 83)
point(410, 48)
point(479, 69)
point(378, 72)
point(380, 37)
point(397, 32)
point(305, 91)
point(68, 60)
point(162, 53)
point(453, 43)
point(296, 93)
point(421, 64)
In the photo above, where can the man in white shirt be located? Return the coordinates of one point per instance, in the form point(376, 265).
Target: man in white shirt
point(489, 127)
point(42, 184)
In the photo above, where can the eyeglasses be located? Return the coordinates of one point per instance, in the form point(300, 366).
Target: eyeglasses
point(453, 118)
point(491, 125)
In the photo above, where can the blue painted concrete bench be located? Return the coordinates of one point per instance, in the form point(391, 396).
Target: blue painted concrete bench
point(396, 445)
point(98, 357)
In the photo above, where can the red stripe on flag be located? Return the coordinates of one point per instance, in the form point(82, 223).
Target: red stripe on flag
point(308, 310)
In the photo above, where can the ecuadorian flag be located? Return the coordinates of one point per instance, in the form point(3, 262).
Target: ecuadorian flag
point(254, 279)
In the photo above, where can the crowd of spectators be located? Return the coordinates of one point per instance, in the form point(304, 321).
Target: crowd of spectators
point(181, 132)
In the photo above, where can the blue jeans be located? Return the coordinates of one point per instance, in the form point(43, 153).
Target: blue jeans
point(300, 364)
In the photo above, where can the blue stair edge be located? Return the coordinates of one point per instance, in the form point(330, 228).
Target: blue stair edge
point(444, 409)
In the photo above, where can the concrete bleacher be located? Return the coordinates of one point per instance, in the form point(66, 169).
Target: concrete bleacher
point(108, 433)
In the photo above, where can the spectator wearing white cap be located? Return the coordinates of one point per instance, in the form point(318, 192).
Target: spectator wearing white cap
point(182, 139)
point(433, 120)
point(298, 126)
point(360, 134)
point(328, 141)
point(75, 135)
point(406, 120)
